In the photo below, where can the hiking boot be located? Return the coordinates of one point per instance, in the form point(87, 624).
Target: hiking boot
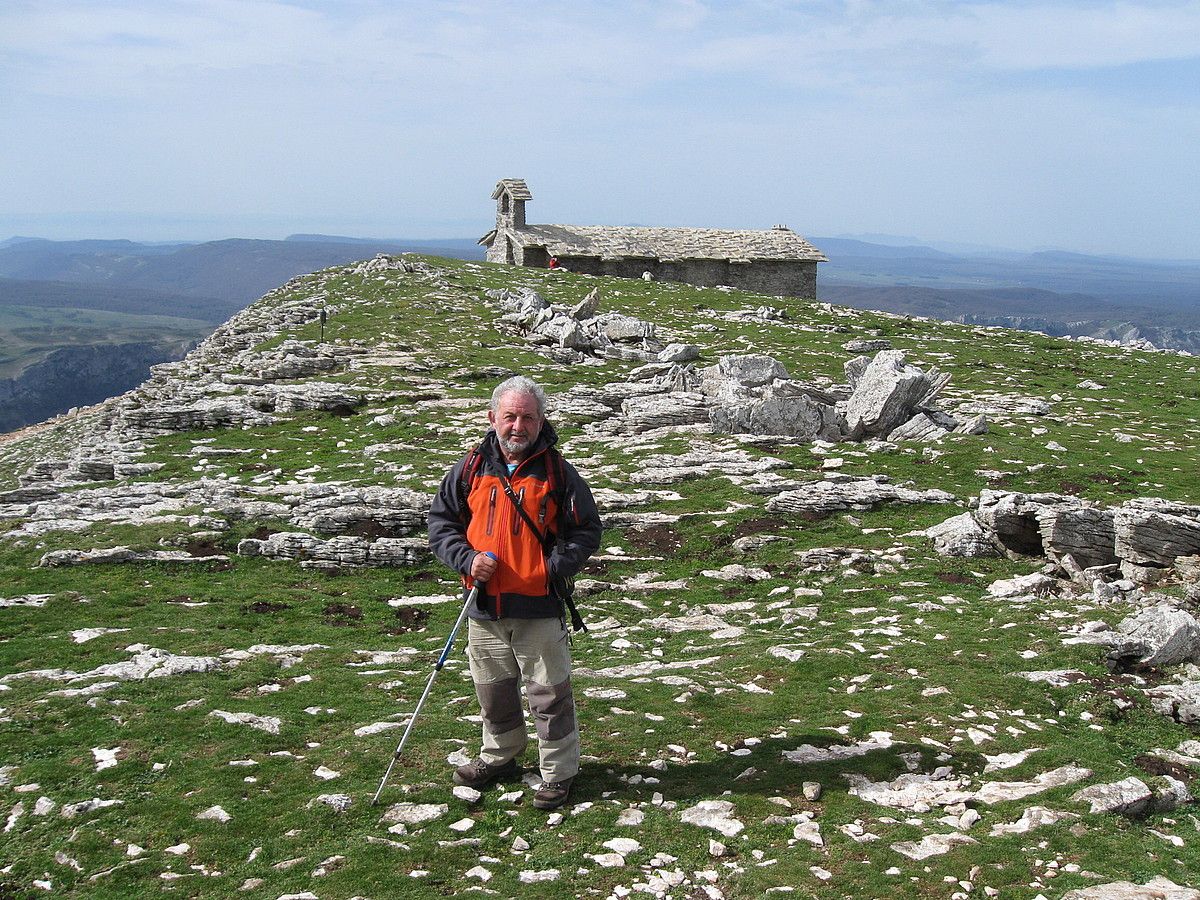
point(552, 794)
point(478, 774)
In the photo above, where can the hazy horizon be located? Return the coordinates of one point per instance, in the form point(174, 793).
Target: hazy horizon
point(1024, 125)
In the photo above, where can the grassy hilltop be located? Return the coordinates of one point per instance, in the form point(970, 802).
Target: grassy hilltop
point(887, 638)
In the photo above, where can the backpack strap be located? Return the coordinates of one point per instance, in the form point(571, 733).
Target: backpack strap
point(470, 471)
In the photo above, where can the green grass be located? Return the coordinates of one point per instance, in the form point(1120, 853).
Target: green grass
point(900, 642)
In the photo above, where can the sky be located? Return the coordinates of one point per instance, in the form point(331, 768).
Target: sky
point(1023, 125)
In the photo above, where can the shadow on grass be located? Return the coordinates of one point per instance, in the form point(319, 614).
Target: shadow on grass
point(767, 772)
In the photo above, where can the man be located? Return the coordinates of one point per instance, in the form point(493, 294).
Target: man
point(518, 630)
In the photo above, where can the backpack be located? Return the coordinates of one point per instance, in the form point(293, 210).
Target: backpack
point(561, 586)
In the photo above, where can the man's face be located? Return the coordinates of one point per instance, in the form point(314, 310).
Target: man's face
point(517, 424)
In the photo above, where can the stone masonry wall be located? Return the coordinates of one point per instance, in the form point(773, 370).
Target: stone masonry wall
point(779, 277)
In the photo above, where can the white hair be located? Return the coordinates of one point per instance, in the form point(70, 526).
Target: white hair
point(519, 384)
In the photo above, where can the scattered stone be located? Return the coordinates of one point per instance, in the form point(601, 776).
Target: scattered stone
point(1154, 637)
point(999, 791)
point(214, 814)
point(531, 876)
point(715, 814)
point(1128, 797)
point(414, 813)
point(630, 818)
point(1031, 818)
point(931, 845)
point(269, 724)
point(467, 794)
point(338, 802)
point(1158, 888)
point(71, 810)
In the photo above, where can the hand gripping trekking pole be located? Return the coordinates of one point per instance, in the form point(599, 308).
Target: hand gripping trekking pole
point(437, 668)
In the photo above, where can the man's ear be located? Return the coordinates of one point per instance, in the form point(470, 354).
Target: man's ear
point(491, 418)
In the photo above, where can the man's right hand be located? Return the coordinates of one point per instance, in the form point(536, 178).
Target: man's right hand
point(483, 567)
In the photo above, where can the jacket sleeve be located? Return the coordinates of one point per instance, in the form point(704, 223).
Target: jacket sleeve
point(447, 531)
point(581, 527)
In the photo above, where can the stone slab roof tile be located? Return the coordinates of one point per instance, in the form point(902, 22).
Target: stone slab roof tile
point(517, 189)
point(614, 242)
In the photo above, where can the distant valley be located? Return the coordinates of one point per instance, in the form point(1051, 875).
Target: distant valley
point(83, 320)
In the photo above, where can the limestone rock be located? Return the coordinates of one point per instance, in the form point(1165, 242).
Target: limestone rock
point(799, 416)
point(748, 370)
point(1031, 818)
point(1154, 532)
point(961, 535)
point(414, 813)
point(1022, 585)
point(679, 353)
point(269, 724)
point(1156, 636)
point(831, 496)
point(886, 396)
point(588, 306)
point(867, 345)
point(1180, 702)
point(1158, 888)
point(656, 411)
point(1128, 797)
point(915, 791)
point(332, 509)
point(931, 845)
point(338, 552)
point(1000, 791)
point(120, 555)
point(926, 425)
point(715, 814)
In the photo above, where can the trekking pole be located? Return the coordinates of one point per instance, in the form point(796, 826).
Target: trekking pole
point(437, 668)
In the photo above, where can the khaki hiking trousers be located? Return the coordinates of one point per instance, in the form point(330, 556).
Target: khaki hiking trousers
point(503, 655)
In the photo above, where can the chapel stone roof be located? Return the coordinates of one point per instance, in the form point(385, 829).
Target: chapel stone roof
point(516, 187)
point(613, 242)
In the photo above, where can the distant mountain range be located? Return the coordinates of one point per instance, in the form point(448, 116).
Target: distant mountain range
point(1058, 292)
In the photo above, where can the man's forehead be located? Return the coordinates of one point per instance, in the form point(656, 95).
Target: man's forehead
point(518, 400)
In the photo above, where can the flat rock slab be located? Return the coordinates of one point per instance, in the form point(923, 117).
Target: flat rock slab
point(269, 724)
point(1128, 797)
point(931, 845)
point(1158, 888)
point(56, 558)
point(999, 791)
point(414, 813)
point(336, 553)
point(1033, 817)
point(832, 496)
point(714, 814)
